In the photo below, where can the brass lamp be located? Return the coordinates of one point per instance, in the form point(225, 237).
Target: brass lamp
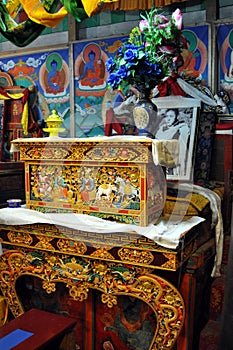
point(54, 122)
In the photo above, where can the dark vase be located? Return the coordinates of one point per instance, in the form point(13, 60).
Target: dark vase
point(145, 114)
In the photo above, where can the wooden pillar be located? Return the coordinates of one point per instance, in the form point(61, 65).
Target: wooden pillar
point(72, 36)
point(212, 13)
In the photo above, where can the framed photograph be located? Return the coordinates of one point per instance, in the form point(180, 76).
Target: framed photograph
point(177, 119)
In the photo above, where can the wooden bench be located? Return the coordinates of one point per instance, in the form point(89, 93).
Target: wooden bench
point(44, 330)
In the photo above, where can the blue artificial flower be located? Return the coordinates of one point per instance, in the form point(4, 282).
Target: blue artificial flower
point(114, 80)
point(147, 56)
point(110, 65)
point(124, 72)
point(130, 55)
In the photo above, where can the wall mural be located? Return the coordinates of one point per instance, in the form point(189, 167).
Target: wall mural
point(225, 47)
point(196, 55)
point(50, 73)
point(91, 95)
point(90, 84)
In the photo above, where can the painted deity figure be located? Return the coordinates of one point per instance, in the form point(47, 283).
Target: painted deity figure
point(91, 69)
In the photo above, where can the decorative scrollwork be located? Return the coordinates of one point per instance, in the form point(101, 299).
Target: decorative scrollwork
point(49, 287)
point(79, 292)
point(102, 253)
point(109, 299)
point(22, 237)
point(136, 256)
point(118, 153)
point(66, 246)
point(44, 242)
point(171, 263)
point(111, 279)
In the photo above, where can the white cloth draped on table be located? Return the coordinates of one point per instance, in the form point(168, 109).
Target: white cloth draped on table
point(217, 222)
point(165, 233)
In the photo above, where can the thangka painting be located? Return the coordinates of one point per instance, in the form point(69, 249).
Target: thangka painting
point(196, 55)
point(90, 87)
point(49, 73)
point(225, 47)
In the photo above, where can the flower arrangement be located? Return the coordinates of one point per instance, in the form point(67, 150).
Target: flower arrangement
point(152, 52)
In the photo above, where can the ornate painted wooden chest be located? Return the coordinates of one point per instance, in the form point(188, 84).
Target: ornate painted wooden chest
point(104, 177)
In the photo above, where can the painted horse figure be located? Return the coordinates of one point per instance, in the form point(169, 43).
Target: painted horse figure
point(106, 190)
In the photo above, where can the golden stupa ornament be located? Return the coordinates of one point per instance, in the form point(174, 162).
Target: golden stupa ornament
point(54, 122)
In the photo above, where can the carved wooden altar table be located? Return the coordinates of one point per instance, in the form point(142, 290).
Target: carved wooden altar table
point(115, 264)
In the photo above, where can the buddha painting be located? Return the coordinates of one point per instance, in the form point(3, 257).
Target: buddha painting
point(54, 75)
point(90, 72)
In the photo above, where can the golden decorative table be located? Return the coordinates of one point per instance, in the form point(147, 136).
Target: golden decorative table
point(114, 264)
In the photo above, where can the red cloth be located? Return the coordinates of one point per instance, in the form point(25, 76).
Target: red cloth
point(170, 87)
point(9, 95)
point(34, 128)
point(225, 126)
point(112, 123)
